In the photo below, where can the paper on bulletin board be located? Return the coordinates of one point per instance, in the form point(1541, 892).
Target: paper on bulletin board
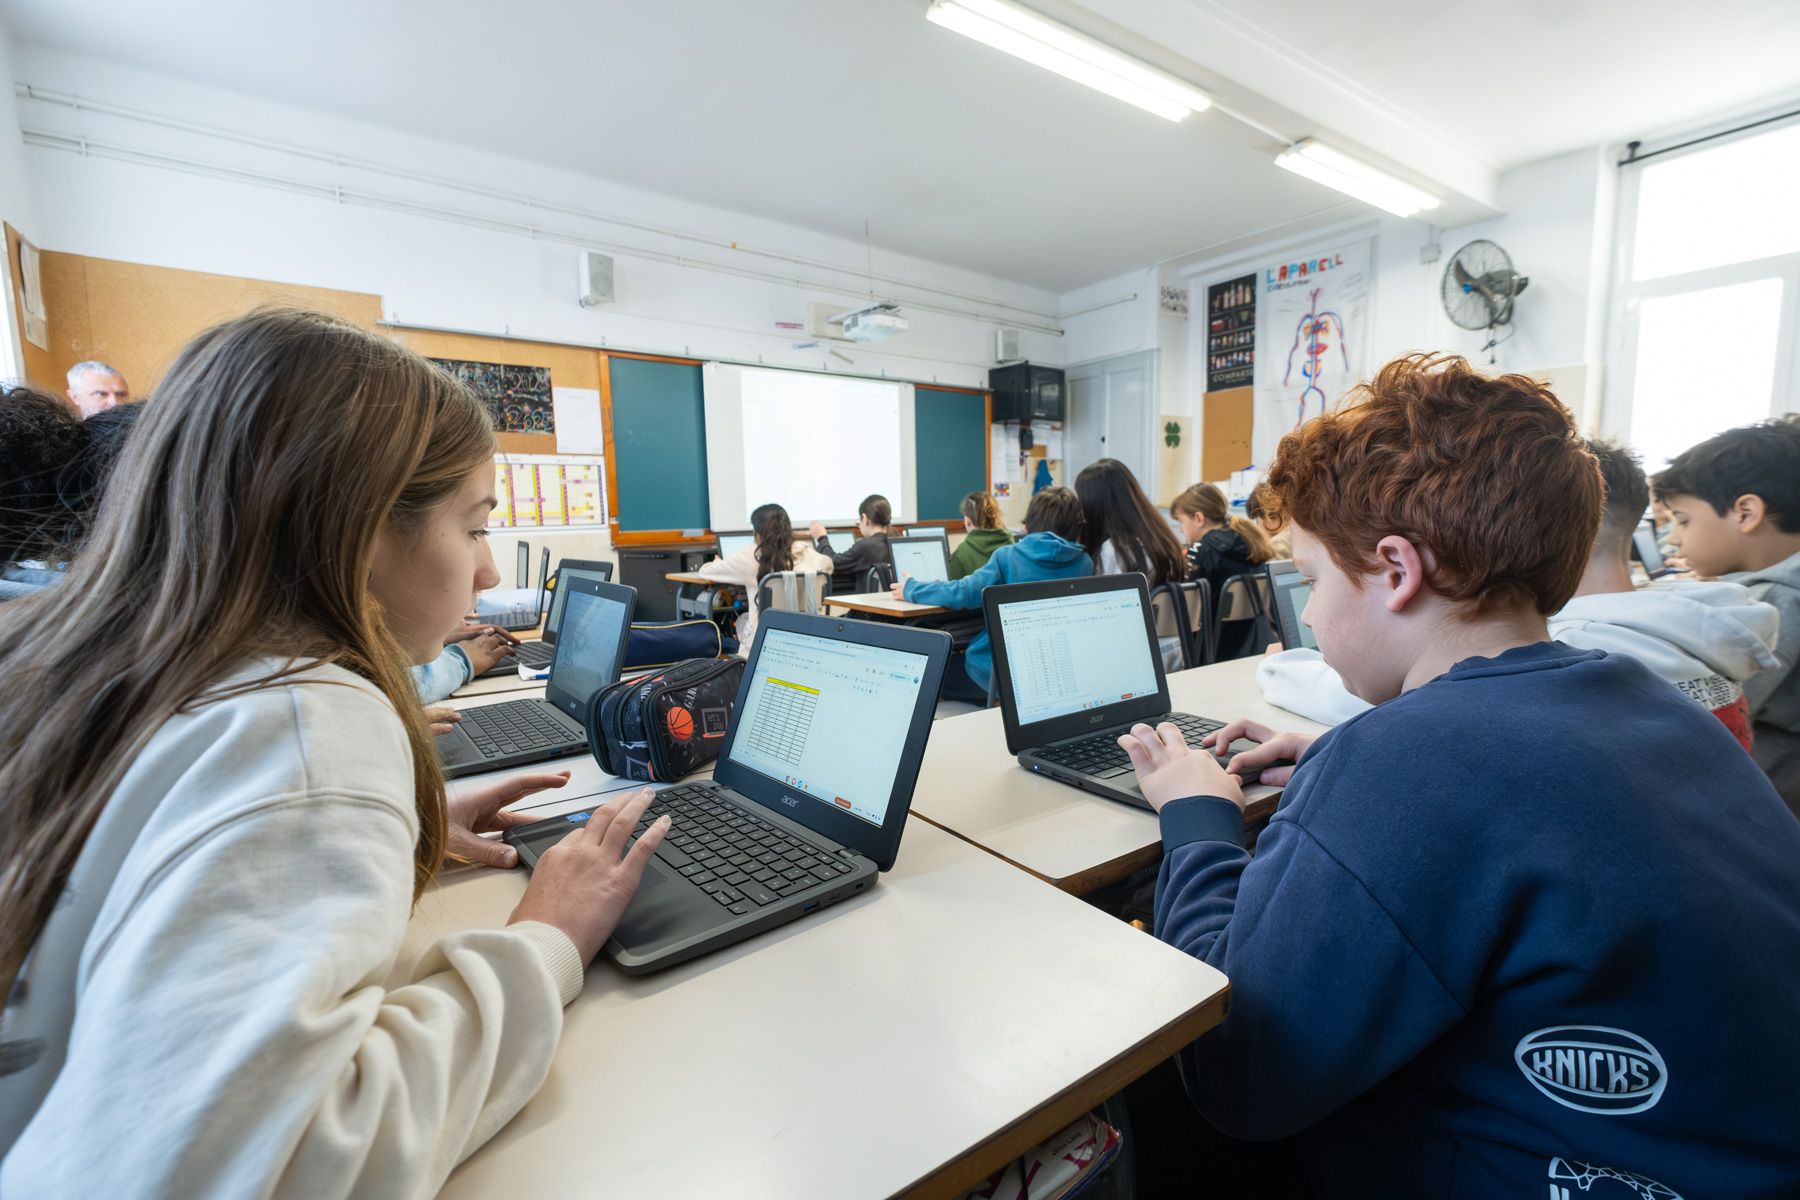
point(1050, 437)
point(37, 329)
point(578, 428)
point(1003, 453)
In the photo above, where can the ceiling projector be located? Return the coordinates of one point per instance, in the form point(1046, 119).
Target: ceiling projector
point(871, 322)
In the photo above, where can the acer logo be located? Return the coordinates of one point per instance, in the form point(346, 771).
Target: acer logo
point(791, 801)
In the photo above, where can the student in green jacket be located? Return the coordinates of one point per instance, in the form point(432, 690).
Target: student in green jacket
point(984, 533)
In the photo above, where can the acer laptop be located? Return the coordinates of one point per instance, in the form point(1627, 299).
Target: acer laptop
point(535, 654)
point(595, 621)
point(924, 558)
point(1077, 664)
point(808, 798)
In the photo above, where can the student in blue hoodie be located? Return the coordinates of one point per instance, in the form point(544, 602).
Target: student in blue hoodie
point(1529, 926)
point(1050, 549)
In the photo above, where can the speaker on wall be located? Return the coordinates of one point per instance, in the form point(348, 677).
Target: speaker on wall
point(1006, 346)
point(596, 279)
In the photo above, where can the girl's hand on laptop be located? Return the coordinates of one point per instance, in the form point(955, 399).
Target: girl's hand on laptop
point(486, 650)
point(475, 811)
point(1272, 747)
point(471, 631)
point(582, 884)
point(1167, 769)
point(443, 718)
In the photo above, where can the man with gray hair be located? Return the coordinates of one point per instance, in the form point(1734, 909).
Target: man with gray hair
point(96, 387)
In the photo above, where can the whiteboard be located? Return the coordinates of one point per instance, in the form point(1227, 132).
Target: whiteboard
point(815, 444)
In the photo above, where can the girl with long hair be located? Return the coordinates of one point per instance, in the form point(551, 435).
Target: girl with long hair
point(222, 800)
point(775, 548)
point(1123, 531)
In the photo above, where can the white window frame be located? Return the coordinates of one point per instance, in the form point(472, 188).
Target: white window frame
point(1628, 296)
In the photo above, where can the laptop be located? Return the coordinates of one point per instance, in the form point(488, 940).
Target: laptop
point(521, 608)
point(808, 797)
point(589, 648)
point(924, 558)
point(1077, 664)
point(1645, 549)
point(1291, 591)
point(535, 654)
point(731, 543)
point(930, 531)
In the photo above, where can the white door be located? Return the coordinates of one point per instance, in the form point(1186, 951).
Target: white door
point(1109, 415)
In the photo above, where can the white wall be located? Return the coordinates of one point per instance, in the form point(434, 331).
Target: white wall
point(467, 274)
point(16, 207)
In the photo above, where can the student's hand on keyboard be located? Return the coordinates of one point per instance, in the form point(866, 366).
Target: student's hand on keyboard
point(582, 884)
point(475, 811)
point(897, 589)
point(1274, 747)
point(443, 718)
point(1168, 769)
point(488, 649)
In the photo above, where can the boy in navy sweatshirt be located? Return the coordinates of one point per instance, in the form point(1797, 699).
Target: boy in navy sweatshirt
point(1531, 925)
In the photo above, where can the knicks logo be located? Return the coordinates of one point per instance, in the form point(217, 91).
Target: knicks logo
point(1593, 1068)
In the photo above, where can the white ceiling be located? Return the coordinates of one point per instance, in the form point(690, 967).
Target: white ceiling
point(825, 112)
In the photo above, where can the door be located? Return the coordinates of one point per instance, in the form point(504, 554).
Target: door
point(1110, 415)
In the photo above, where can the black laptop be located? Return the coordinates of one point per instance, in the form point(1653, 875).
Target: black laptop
point(535, 654)
point(924, 558)
point(1077, 664)
point(808, 798)
point(1647, 550)
point(596, 619)
point(1290, 589)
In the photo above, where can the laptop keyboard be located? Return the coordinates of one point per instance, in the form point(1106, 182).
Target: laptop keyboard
point(535, 655)
point(498, 729)
point(1099, 754)
point(741, 862)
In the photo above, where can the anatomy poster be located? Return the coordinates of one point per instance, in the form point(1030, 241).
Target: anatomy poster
point(1312, 318)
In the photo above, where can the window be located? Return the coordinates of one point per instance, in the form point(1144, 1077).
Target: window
point(1707, 293)
point(535, 490)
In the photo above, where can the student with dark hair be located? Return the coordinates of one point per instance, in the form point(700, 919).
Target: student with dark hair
point(1121, 529)
point(1467, 957)
point(41, 437)
point(1707, 638)
point(1735, 500)
point(1050, 549)
point(84, 482)
point(1220, 546)
point(984, 531)
point(775, 548)
point(850, 568)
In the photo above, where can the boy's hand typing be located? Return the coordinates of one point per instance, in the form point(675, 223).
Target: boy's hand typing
point(1273, 747)
point(897, 589)
point(1167, 769)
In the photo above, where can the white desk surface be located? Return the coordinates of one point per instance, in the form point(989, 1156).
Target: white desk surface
point(910, 1040)
point(882, 603)
point(493, 685)
point(971, 786)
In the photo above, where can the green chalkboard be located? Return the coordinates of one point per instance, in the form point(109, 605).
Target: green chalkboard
point(950, 441)
point(659, 445)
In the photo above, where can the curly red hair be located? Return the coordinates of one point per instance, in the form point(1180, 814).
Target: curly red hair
point(1488, 473)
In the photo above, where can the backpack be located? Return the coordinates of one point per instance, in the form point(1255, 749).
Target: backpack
point(664, 726)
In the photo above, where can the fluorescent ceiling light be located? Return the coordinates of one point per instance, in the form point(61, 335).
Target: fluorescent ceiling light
point(1021, 32)
point(1335, 169)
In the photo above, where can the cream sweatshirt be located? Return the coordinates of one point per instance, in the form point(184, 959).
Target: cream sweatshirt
point(232, 1034)
point(739, 568)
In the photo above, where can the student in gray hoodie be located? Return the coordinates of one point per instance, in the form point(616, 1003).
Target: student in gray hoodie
point(1736, 503)
point(1712, 640)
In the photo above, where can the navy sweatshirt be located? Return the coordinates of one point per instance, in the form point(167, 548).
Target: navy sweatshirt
point(1531, 929)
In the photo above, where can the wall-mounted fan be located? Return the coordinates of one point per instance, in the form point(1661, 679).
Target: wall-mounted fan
point(1479, 288)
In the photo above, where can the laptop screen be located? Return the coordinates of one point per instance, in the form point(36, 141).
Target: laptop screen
point(587, 643)
point(1292, 590)
point(1643, 542)
point(1068, 654)
point(731, 543)
point(921, 560)
point(829, 718)
point(553, 623)
point(936, 531)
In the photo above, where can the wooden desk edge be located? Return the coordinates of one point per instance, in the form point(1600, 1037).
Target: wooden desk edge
point(1055, 1113)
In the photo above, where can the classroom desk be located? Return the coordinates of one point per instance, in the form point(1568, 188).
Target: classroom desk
point(970, 786)
point(883, 604)
point(908, 1041)
point(491, 685)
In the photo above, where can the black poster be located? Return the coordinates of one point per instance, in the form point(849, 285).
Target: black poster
point(1231, 334)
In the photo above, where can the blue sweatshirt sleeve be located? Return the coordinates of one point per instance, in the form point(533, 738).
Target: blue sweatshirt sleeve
point(959, 593)
point(442, 675)
point(1328, 997)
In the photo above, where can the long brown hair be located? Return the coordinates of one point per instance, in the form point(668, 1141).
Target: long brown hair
point(982, 510)
point(774, 532)
point(1114, 508)
point(1205, 500)
point(241, 520)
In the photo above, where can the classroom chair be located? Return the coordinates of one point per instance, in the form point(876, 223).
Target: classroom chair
point(880, 578)
point(793, 591)
point(1196, 598)
point(1170, 621)
point(1244, 598)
